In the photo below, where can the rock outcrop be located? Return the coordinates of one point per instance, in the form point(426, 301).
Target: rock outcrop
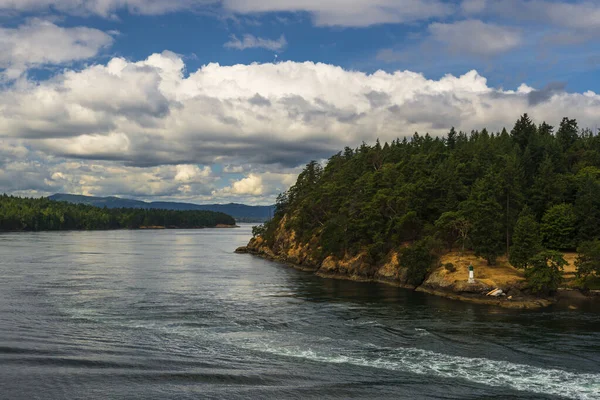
point(451, 283)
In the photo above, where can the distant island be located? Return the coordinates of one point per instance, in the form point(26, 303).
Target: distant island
point(44, 214)
point(241, 212)
point(522, 207)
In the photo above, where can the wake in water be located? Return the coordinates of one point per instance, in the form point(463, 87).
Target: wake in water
point(423, 362)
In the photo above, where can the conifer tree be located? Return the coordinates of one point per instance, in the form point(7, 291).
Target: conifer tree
point(527, 241)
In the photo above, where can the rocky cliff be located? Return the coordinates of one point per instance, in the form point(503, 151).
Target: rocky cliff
point(443, 280)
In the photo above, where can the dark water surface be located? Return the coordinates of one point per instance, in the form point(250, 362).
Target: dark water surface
point(175, 315)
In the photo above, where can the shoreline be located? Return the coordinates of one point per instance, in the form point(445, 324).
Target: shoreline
point(526, 303)
point(141, 228)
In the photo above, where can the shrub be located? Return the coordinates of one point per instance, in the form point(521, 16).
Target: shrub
point(450, 267)
point(419, 258)
point(258, 230)
point(544, 272)
point(588, 260)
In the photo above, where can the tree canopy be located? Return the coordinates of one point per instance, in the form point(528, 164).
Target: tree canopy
point(28, 214)
point(466, 189)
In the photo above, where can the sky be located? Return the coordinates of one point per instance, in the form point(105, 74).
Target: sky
point(218, 101)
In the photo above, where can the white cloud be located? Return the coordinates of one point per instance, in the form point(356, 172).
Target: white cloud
point(44, 175)
point(473, 6)
point(39, 42)
point(585, 15)
point(233, 169)
point(251, 185)
point(192, 173)
point(258, 185)
point(146, 129)
point(578, 14)
point(474, 37)
point(250, 42)
point(337, 12)
point(104, 8)
point(358, 13)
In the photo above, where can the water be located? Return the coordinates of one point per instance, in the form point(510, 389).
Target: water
point(175, 315)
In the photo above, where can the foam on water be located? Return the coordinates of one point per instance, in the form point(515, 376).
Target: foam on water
point(478, 370)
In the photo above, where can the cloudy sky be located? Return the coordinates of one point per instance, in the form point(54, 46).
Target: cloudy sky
point(212, 101)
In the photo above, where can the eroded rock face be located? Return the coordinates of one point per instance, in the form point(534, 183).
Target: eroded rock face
point(441, 281)
point(287, 249)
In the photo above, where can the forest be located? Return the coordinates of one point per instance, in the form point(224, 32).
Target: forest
point(42, 214)
point(530, 193)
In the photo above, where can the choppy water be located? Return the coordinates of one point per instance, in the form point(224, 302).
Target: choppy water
point(175, 314)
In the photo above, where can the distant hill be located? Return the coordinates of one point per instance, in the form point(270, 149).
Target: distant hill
point(241, 212)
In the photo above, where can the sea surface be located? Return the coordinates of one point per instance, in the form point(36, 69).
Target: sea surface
point(175, 314)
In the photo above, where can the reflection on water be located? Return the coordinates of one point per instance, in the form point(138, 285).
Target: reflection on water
point(175, 314)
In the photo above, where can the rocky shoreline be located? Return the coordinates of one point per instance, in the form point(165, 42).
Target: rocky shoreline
point(355, 269)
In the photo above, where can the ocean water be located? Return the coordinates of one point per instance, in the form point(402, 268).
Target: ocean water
point(175, 314)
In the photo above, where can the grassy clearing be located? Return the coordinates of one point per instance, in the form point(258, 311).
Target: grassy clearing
point(503, 274)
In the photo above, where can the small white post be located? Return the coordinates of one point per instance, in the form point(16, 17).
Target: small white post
point(471, 274)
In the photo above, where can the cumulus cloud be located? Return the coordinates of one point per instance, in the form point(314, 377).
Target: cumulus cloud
point(148, 112)
point(338, 13)
point(355, 13)
point(33, 173)
point(473, 6)
point(147, 129)
point(104, 8)
point(256, 186)
point(578, 14)
point(251, 42)
point(40, 42)
point(475, 37)
point(251, 185)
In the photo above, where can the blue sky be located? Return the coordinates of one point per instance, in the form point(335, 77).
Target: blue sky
point(125, 97)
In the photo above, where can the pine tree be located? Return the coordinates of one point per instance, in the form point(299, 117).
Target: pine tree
point(486, 217)
point(523, 131)
point(567, 133)
point(558, 227)
point(527, 241)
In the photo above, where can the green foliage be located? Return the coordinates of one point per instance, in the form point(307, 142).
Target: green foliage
point(544, 272)
point(588, 259)
point(448, 227)
point(486, 216)
point(419, 258)
point(467, 190)
point(25, 214)
point(523, 131)
point(558, 227)
point(527, 241)
point(567, 133)
point(450, 267)
point(587, 203)
point(258, 230)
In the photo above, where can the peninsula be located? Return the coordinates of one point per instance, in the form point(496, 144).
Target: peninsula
point(522, 207)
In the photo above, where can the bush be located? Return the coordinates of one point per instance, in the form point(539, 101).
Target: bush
point(450, 267)
point(544, 272)
point(419, 258)
point(588, 260)
point(258, 230)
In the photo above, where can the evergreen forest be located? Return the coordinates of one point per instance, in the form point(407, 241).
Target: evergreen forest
point(533, 191)
point(28, 214)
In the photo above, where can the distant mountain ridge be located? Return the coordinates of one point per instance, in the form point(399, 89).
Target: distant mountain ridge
point(241, 212)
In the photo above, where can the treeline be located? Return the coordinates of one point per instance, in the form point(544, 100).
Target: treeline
point(521, 192)
point(42, 214)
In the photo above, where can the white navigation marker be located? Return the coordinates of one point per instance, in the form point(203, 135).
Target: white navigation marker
point(471, 274)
